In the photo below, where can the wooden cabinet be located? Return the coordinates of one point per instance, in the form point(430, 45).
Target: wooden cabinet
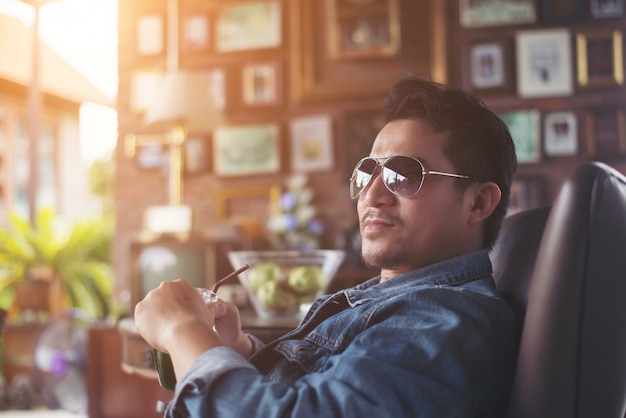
point(122, 381)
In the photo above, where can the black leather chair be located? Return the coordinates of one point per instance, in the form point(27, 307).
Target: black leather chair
point(571, 280)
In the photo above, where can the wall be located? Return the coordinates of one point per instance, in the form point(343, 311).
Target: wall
point(577, 47)
point(314, 75)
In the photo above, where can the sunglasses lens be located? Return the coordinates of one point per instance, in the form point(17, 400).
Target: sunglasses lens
point(362, 175)
point(403, 176)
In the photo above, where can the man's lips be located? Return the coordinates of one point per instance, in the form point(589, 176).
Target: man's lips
point(375, 224)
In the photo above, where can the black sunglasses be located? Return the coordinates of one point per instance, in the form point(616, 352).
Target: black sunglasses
point(402, 175)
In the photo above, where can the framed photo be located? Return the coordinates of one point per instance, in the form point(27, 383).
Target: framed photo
point(150, 35)
point(250, 25)
point(356, 32)
point(544, 63)
point(601, 9)
point(317, 78)
point(562, 10)
point(605, 132)
point(477, 13)
point(524, 128)
point(312, 143)
point(260, 84)
point(145, 85)
point(560, 134)
point(243, 201)
point(489, 65)
point(196, 33)
point(600, 58)
point(246, 150)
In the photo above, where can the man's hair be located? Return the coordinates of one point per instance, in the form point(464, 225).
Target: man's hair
point(478, 141)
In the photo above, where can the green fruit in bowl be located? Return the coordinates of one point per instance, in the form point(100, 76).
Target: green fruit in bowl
point(274, 298)
point(306, 279)
point(262, 273)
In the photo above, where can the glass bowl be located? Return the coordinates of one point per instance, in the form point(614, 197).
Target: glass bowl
point(285, 283)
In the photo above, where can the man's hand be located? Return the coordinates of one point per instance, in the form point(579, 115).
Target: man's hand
point(228, 326)
point(174, 319)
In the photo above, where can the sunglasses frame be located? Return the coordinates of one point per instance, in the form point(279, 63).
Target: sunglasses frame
point(385, 160)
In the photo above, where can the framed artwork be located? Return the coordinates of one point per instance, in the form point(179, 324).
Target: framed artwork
point(145, 85)
point(246, 150)
point(356, 32)
point(524, 128)
point(560, 136)
point(196, 33)
point(600, 57)
point(477, 13)
point(311, 143)
point(317, 77)
point(489, 65)
point(260, 84)
point(601, 9)
point(544, 63)
point(250, 25)
point(150, 35)
point(562, 10)
point(242, 201)
point(605, 132)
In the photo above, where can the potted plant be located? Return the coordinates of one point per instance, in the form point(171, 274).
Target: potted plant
point(45, 269)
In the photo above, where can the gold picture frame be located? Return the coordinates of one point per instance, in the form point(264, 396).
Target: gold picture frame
point(591, 48)
point(371, 30)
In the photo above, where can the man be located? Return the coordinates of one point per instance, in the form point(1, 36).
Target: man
point(429, 337)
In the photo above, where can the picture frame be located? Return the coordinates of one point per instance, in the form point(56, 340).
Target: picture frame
point(260, 83)
point(317, 78)
point(592, 50)
point(562, 10)
point(603, 9)
point(196, 33)
point(605, 132)
point(145, 85)
point(359, 32)
point(489, 64)
point(150, 35)
point(544, 63)
point(311, 143)
point(246, 150)
point(249, 26)
point(480, 13)
point(238, 201)
point(524, 128)
point(151, 155)
point(560, 136)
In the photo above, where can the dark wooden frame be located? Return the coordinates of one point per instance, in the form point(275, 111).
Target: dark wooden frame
point(593, 70)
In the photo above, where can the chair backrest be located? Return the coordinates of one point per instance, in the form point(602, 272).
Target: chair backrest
point(572, 357)
point(514, 256)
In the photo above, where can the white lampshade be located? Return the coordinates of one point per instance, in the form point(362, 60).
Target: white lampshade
point(185, 98)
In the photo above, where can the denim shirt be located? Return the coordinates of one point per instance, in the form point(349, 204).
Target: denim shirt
point(434, 342)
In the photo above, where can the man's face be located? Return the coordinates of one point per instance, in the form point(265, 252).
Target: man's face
point(402, 234)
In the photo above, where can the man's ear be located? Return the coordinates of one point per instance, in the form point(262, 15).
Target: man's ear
point(486, 197)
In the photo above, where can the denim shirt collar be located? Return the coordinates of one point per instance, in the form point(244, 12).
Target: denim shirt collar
point(450, 272)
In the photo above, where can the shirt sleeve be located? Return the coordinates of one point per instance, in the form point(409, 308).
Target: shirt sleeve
point(445, 362)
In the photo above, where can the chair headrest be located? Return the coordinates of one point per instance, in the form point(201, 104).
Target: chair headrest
point(514, 255)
